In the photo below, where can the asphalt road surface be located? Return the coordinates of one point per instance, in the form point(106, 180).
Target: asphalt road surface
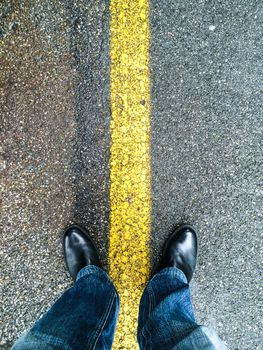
point(206, 151)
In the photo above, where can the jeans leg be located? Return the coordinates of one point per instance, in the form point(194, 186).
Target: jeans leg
point(83, 318)
point(166, 317)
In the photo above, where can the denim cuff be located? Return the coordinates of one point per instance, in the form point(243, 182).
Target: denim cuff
point(97, 271)
point(173, 272)
point(92, 269)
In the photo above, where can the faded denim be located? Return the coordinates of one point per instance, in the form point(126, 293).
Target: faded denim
point(85, 317)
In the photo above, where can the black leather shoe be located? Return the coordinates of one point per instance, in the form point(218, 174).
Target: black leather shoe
point(180, 251)
point(79, 250)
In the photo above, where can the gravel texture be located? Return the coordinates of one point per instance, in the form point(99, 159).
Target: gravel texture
point(54, 147)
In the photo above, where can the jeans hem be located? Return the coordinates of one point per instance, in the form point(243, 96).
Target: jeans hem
point(172, 271)
point(95, 270)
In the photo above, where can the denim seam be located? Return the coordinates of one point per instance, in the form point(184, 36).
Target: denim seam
point(104, 320)
point(147, 346)
point(151, 299)
point(151, 302)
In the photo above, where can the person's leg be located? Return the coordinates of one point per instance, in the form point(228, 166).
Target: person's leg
point(85, 316)
point(166, 317)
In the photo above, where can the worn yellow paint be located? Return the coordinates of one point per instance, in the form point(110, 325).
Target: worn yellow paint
point(130, 198)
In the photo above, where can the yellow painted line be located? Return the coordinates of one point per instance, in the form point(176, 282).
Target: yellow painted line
point(130, 194)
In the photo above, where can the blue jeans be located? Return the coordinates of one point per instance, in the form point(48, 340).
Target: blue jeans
point(85, 316)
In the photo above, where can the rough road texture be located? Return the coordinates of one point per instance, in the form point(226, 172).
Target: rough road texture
point(206, 159)
point(206, 153)
point(54, 148)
